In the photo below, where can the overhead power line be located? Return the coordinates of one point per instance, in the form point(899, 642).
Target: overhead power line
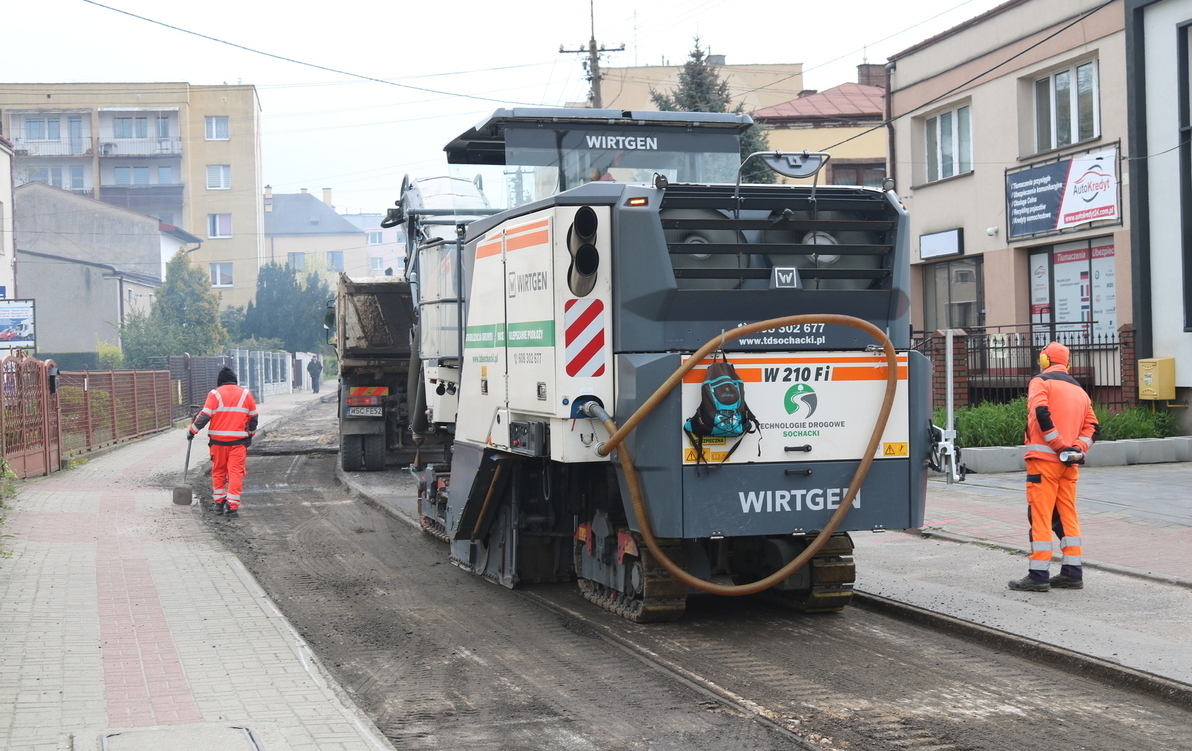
point(316, 66)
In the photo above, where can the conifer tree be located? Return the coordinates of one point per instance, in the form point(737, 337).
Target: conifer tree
point(702, 90)
point(183, 319)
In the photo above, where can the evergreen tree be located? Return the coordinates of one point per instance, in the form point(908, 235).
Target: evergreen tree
point(287, 308)
point(702, 90)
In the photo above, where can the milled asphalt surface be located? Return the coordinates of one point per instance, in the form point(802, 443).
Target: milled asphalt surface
point(1136, 524)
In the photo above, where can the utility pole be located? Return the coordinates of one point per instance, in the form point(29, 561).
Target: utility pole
point(593, 64)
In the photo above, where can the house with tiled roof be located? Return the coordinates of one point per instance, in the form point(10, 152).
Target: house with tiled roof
point(845, 120)
point(308, 235)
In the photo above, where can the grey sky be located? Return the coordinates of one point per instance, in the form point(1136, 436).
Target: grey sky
point(328, 130)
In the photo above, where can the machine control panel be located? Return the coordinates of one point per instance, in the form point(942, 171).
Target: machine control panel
point(527, 438)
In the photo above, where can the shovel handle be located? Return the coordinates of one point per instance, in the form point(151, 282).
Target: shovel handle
point(186, 466)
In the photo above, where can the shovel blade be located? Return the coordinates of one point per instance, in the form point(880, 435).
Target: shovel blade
point(183, 495)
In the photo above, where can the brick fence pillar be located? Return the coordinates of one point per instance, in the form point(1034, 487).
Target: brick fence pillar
point(939, 369)
point(1129, 364)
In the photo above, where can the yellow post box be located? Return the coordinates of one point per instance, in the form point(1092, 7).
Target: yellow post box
point(1156, 378)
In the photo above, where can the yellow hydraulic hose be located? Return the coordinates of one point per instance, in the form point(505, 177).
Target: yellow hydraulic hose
point(617, 435)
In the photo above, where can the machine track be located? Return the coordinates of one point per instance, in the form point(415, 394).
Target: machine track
point(832, 575)
point(662, 597)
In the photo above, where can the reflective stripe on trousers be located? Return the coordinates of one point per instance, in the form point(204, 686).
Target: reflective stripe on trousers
point(228, 467)
point(1051, 500)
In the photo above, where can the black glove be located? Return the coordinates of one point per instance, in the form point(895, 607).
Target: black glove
point(190, 436)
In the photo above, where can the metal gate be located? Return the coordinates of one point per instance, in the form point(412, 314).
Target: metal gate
point(30, 416)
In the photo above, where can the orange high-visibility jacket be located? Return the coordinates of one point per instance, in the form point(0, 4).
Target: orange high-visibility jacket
point(1059, 414)
point(232, 412)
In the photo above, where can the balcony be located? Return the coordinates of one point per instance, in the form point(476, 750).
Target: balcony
point(80, 146)
point(140, 146)
point(141, 197)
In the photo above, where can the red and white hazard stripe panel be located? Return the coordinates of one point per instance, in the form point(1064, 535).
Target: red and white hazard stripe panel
point(584, 337)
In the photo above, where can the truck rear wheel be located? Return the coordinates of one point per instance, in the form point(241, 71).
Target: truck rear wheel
point(373, 456)
point(351, 453)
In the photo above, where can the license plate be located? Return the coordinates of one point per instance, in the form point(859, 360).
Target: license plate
point(365, 412)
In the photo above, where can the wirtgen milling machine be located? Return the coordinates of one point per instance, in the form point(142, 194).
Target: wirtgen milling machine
point(564, 343)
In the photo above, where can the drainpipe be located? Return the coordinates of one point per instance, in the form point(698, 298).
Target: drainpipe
point(890, 145)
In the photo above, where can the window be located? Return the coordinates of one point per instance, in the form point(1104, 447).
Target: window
point(76, 177)
point(140, 175)
point(376, 263)
point(131, 175)
point(1067, 107)
point(122, 127)
point(123, 175)
point(165, 175)
point(142, 127)
point(949, 144)
point(163, 126)
point(219, 225)
point(296, 261)
point(954, 294)
point(375, 238)
point(221, 273)
point(56, 177)
point(869, 175)
point(38, 175)
point(335, 260)
point(219, 177)
point(42, 128)
point(217, 128)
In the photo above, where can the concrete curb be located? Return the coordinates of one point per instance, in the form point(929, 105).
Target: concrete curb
point(994, 459)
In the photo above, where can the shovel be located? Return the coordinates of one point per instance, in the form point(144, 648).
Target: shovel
point(182, 493)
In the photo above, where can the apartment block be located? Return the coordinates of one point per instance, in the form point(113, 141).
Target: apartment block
point(187, 155)
point(1009, 151)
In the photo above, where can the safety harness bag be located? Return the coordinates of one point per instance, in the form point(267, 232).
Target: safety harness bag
point(722, 411)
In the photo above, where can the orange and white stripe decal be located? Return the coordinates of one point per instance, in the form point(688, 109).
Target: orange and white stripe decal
point(528, 235)
point(368, 391)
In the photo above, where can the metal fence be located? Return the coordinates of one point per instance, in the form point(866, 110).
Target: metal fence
point(264, 373)
point(29, 416)
point(101, 407)
point(996, 365)
point(190, 379)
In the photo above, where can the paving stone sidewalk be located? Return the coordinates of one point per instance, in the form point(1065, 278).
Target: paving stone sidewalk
point(126, 625)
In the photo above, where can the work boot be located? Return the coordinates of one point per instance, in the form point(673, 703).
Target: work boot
point(1063, 581)
point(220, 507)
point(1027, 584)
point(233, 513)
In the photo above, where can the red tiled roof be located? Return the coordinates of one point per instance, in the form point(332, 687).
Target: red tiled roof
point(845, 100)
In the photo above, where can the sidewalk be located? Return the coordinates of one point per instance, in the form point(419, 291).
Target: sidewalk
point(125, 623)
point(1136, 527)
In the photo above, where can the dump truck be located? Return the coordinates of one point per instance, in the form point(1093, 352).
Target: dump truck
point(567, 342)
point(372, 318)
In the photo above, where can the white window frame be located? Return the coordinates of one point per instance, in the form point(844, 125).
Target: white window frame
point(117, 121)
point(44, 127)
point(213, 123)
point(335, 260)
point(376, 263)
point(213, 226)
point(126, 172)
point(217, 273)
point(944, 139)
point(296, 261)
point(376, 238)
point(165, 171)
point(219, 177)
point(163, 126)
point(1055, 139)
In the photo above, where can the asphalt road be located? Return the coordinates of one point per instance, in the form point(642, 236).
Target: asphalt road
point(440, 658)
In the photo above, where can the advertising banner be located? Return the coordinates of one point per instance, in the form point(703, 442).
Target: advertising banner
point(16, 325)
point(1065, 194)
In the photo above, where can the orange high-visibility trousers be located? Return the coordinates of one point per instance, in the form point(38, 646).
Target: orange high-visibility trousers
point(228, 467)
point(1051, 493)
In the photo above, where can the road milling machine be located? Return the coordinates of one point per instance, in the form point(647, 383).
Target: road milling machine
point(565, 343)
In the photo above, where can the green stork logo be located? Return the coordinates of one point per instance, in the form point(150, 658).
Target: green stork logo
point(800, 397)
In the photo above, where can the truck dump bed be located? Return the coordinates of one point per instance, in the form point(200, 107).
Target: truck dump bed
point(375, 317)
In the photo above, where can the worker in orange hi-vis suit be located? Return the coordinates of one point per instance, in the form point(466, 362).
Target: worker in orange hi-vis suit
point(1060, 428)
point(230, 415)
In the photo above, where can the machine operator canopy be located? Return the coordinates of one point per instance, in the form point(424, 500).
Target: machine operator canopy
point(524, 155)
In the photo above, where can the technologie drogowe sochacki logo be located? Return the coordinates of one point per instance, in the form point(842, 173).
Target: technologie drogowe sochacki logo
point(801, 401)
